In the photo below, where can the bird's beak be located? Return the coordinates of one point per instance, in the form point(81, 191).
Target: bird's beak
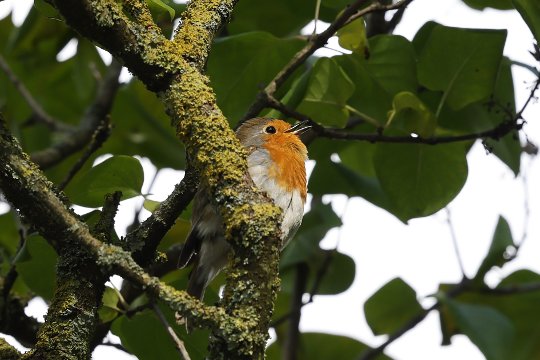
point(299, 128)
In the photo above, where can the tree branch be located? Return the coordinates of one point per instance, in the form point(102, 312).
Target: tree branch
point(495, 133)
point(63, 230)
point(179, 344)
point(144, 240)
point(8, 352)
point(39, 113)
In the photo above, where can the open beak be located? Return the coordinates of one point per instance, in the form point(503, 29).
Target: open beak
point(299, 128)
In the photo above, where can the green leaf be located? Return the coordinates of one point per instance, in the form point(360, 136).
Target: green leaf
point(420, 179)
point(481, 117)
point(410, 114)
point(463, 63)
point(140, 123)
point(520, 308)
point(338, 275)
point(87, 58)
point(497, 254)
point(326, 97)
point(495, 4)
point(486, 327)
point(508, 148)
point(391, 307)
point(109, 311)
point(353, 37)
point(151, 205)
point(354, 176)
point(117, 173)
point(9, 235)
point(530, 12)
point(393, 63)
point(39, 271)
point(390, 69)
point(144, 328)
point(317, 346)
point(278, 17)
point(164, 7)
point(239, 65)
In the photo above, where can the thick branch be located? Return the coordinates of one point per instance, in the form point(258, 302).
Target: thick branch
point(16, 323)
point(25, 186)
point(8, 352)
point(143, 241)
point(250, 218)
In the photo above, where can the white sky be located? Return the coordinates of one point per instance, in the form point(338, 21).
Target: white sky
point(421, 253)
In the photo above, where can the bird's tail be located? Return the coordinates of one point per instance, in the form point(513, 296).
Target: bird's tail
point(198, 280)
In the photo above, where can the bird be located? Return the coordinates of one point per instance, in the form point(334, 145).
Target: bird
point(276, 164)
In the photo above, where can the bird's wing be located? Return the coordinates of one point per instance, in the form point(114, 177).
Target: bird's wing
point(190, 249)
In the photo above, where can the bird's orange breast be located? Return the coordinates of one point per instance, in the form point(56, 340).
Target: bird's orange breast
point(288, 164)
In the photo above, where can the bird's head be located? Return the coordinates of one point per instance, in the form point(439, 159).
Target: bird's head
point(274, 135)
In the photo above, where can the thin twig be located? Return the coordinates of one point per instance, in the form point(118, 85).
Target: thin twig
point(39, 113)
point(101, 134)
point(378, 7)
point(291, 341)
point(117, 346)
point(495, 133)
point(513, 289)
point(316, 42)
point(454, 241)
point(452, 293)
point(316, 17)
point(94, 116)
point(177, 342)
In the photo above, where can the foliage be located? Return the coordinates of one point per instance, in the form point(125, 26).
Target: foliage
point(446, 82)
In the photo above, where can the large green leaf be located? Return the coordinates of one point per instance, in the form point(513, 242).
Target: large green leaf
point(239, 65)
point(486, 327)
point(481, 117)
point(317, 346)
point(327, 93)
point(354, 176)
point(39, 270)
point(496, 4)
point(392, 62)
point(530, 12)
point(420, 179)
point(498, 251)
point(390, 69)
point(329, 177)
point(391, 307)
point(463, 63)
point(140, 123)
point(117, 173)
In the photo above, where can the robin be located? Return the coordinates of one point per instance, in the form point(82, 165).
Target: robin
point(276, 163)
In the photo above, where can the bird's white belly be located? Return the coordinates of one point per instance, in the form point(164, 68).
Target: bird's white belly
point(291, 203)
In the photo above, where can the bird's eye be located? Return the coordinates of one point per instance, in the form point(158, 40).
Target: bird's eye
point(270, 130)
